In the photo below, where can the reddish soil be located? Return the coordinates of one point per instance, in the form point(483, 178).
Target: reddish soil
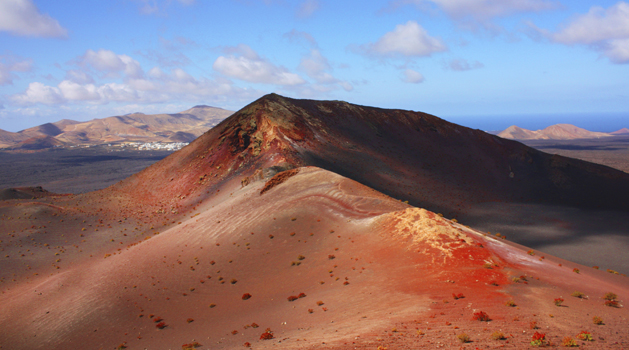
point(383, 270)
point(278, 179)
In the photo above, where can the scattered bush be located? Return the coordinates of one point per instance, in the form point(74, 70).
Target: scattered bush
point(190, 320)
point(319, 303)
point(612, 303)
point(331, 257)
point(510, 303)
point(558, 301)
point(597, 320)
point(191, 346)
point(161, 325)
point(569, 342)
point(310, 311)
point(301, 295)
point(458, 296)
point(268, 334)
point(575, 270)
point(585, 336)
point(497, 336)
point(463, 338)
point(612, 271)
point(538, 339)
point(157, 319)
point(610, 296)
point(234, 281)
point(531, 252)
point(247, 344)
point(481, 316)
point(292, 298)
point(533, 325)
point(246, 296)
point(301, 257)
point(254, 325)
point(234, 332)
point(212, 305)
point(578, 295)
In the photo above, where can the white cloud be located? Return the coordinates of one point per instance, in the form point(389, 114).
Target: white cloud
point(413, 77)
point(38, 93)
point(78, 92)
point(597, 25)
point(79, 77)
point(474, 13)
point(158, 87)
point(296, 36)
point(617, 50)
point(604, 30)
point(307, 8)
point(21, 17)
point(410, 40)
point(108, 61)
point(317, 67)
point(243, 63)
point(9, 65)
point(461, 65)
point(150, 7)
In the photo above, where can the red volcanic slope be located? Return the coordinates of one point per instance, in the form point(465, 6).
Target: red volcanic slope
point(373, 272)
point(408, 155)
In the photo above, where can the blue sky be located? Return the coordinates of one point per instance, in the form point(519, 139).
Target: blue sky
point(470, 61)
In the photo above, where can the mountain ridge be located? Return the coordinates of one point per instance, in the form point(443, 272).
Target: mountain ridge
point(184, 126)
point(554, 132)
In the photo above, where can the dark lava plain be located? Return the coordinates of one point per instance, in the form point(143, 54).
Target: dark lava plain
point(610, 151)
point(73, 170)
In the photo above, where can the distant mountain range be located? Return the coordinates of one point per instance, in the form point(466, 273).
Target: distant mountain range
point(556, 132)
point(179, 127)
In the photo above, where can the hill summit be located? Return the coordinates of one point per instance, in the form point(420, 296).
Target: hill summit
point(408, 155)
point(553, 132)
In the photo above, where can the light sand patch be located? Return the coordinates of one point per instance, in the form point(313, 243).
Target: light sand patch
point(424, 227)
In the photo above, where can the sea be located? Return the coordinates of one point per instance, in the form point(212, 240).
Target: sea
point(602, 122)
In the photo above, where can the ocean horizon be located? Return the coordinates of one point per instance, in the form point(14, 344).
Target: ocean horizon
point(601, 122)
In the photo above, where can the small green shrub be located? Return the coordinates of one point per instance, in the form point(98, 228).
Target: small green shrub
point(569, 342)
point(538, 339)
point(610, 296)
point(464, 338)
point(497, 336)
point(577, 294)
point(585, 336)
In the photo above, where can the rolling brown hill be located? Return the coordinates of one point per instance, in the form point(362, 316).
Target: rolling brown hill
point(269, 231)
point(179, 127)
point(553, 132)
